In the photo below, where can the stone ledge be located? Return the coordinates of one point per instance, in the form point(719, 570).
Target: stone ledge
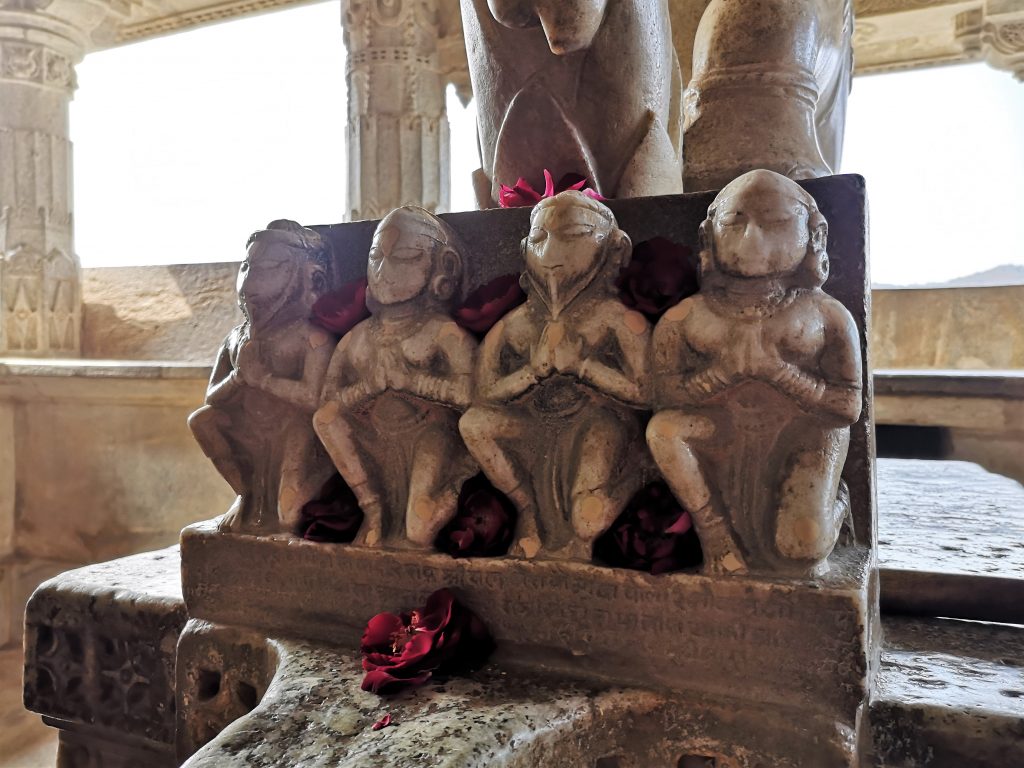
point(782, 642)
point(100, 644)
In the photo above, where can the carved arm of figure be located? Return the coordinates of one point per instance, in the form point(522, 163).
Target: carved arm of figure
point(352, 376)
point(834, 390)
point(456, 349)
point(627, 383)
point(224, 381)
point(683, 376)
point(303, 393)
point(503, 340)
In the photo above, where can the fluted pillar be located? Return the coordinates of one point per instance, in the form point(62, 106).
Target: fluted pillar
point(40, 295)
point(398, 146)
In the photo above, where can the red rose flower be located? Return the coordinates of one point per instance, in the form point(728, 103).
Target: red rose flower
point(402, 651)
point(483, 524)
point(333, 516)
point(489, 303)
point(341, 309)
point(521, 194)
point(654, 534)
point(659, 275)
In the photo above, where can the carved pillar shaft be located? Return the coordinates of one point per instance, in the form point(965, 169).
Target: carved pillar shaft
point(397, 124)
point(40, 296)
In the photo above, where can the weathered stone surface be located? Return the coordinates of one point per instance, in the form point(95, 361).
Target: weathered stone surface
point(962, 328)
point(682, 631)
point(950, 694)
point(315, 714)
point(104, 464)
point(951, 541)
point(180, 312)
point(946, 688)
point(980, 413)
point(100, 644)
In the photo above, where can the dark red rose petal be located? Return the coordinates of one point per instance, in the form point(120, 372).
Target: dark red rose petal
point(483, 524)
point(384, 722)
point(404, 650)
point(489, 303)
point(343, 308)
point(654, 533)
point(333, 516)
point(659, 275)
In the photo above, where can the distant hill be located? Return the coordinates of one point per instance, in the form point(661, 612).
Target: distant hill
point(1004, 274)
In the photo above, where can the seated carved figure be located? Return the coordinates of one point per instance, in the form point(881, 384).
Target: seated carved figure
point(576, 86)
point(398, 383)
point(255, 425)
point(555, 423)
point(757, 380)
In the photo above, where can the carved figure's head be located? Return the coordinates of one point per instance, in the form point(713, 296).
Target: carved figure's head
point(573, 238)
point(569, 25)
point(764, 226)
point(413, 254)
point(287, 268)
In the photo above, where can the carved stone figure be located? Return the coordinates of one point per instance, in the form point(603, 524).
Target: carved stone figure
point(266, 382)
point(555, 423)
point(576, 86)
point(757, 379)
point(398, 383)
point(769, 87)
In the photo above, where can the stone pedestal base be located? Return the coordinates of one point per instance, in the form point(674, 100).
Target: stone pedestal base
point(737, 650)
point(314, 713)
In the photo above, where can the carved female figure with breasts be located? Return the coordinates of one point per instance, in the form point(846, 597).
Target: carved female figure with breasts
point(757, 379)
point(255, 425)
point(398, 383)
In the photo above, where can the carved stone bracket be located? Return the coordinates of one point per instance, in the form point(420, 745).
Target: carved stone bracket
point(998, 38)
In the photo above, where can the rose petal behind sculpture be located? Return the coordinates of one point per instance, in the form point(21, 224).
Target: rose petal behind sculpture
point(398, 382)
point(757, 379)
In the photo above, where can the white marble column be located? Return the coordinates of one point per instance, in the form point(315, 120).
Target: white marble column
point(994, 32)
point(398, 145)
point(40, 297)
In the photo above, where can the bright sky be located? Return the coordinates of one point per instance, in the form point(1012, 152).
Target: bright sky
point(186, 144)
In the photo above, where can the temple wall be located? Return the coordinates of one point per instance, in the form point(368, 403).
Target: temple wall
point(182, 313)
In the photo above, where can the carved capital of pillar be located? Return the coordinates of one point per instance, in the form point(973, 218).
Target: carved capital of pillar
point(997, 37)
point(397, 124)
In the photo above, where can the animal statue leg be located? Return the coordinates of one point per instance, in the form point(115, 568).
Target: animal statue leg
point(809, 517)
point(759, 73)
point(670, 435)
point(211, 427)
point(439, 468)
point(600, 489)
point(483, 429)
point(338, 434)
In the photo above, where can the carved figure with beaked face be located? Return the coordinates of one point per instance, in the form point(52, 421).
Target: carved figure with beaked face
point(398, 383)
point(561, 380)
point(255, 425)
point(757, 379)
